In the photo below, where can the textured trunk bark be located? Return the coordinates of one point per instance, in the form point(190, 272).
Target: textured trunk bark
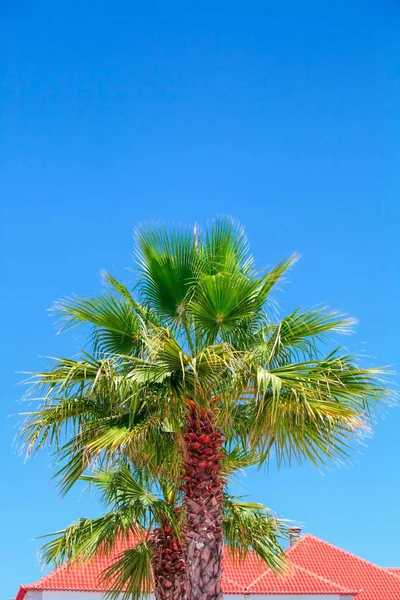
point(168, 566)
point(203, 493)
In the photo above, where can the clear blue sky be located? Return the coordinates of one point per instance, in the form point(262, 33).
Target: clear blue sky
point(284, 114)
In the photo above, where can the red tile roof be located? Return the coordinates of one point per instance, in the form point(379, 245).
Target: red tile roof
point(252, 576)
point(344, 568)
point(298, 581)
point(316, 568)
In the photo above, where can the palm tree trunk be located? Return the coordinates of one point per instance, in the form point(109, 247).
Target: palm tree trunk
point(168, 565)
point(203, 494)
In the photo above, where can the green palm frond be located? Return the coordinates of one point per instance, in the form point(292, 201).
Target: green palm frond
point(130, 575)
point(314, 409)
point(87, 537)
point(146, 317)
point(298, 335)
point(147, 442)
point(132, 510)
point(168, 262)
point(237, 459)
point(221, 302)
point(115, 325)
point(273, 276)
point(225, 249)
point(121, 489)
point(248, 526)
point(90, 394)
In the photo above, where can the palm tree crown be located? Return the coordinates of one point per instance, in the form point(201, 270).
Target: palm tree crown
point(195, 354)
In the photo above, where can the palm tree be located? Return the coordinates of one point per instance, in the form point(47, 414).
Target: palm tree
point(196, 350)
point(151, 524)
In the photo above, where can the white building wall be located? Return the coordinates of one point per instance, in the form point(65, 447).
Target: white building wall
point(34, 595)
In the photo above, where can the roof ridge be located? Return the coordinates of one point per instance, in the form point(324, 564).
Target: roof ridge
point(397, 575)
point(325, 580)
point(257, 579)
point(268, 570)
point(342, 551)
